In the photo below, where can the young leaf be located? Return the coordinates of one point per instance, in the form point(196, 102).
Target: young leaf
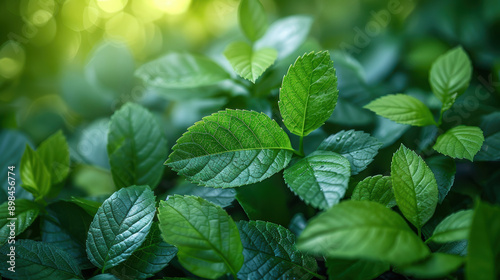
point(460, 142)
point(309, 93)
point(438, 265)
point(403, 109)
point(358, 147)
point(414, 186)
point(455, 227)
point(342, 269)
point(218, 196)
point(444, 170)
point(35, 176)
point(231, 148)
point(253, 20)
point(55, 154)
point(362, 229)
point(181, 70)
point(136, 147)
point(249, 63)
point(207, 237)
point(450, 76)
point(483, 259)
point(120, 226)
point(377, 188)
point(24, 213)
point(320, 179)
point(270, 253)
point(38, 260)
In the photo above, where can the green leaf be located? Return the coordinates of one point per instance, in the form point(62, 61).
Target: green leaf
point(444, 170)
point(450, 76)
point(231, 148)
point(341, 269)
point(483, 260)
point(35, 176)
point(55, 154)
point(455, 227)
point(358, 147)
point(120, 226)
point(221, 197)
point(253, 20)
point(270, 253)
point(90, 206)
point(180, 71)
point(309, 93)
point(414, 186)
point(490, 150)
point(249, 63)
point(376, 188)
point(362, 229)
point(38, 260)
point(460, 142)
point(320, 179)
point(23, 212)
point(207, 237)
point(438, 265)
point(136, 147)
point(153, 255)
point(403, 109)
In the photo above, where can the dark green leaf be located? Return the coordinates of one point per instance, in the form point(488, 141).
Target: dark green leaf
point(455, 227)
point(22, 212)
point(436, 266)
point(35, 176)
point(218, 196)
point(377, 188)
point(490, 151)
point(253, 20)
point(341, 269)
point(247, 62)
point(90, 206)
point(444, 171)
point(460, 142)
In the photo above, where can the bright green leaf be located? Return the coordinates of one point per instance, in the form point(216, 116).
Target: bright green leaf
point(342, 269)
point(362, 229)
point(35, 176)
point(231, 148)
point(455, 227)
point(247, 62)
point(23, 212)
point(377, 188)
point(253, 20)
point(444, 170)
point(438, 265)
point(136, 147)
point(403, 109)
point(460, 142)
point(414, 186)
point(309, 93)
point(207, 237)
point(55, 154)
point(120, 226)
point(320, 179)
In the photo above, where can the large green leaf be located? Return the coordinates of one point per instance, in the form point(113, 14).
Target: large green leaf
point(444, 170)
point(362, 229)
point(22, 212)
point(358, 147)
point(460, 142)
point(483, 259)
point(342, 269)
point(231, 148)
point(377, 188)
point(309, 93)
point(403, 109)
point(35, 176)
point(270, 253)
point(207, 237)
point(455, 227)
point(414, 186)
point(438, 265)
point(136, 147)
point(55, 154)
point(320, 179)
point(450, 76)
point(38, 260)
point(153, 255)
point(181, 70)
point(120, 226)
point(253, 20)
point(247, 62)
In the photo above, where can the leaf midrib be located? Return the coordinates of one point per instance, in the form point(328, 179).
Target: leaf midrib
point(230, 151)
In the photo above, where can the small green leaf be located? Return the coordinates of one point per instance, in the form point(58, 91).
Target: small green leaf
point(180, 71)
point(38, 260)
point(403, 109)
point(362, 229)
point(414, 186)
point(207, 237)
point(320, 179)
point(444, 170)
point(136, 147)
point(253, 20)
point(455, 227)
point(35, 176)
point(377, 188)
point(120, 226)
point(460, 142)
point(450, 76)
point(490, 151)
point(438, 265)
point(249, 63)
point(309, 93)
point(358, 147)
point(90, 206)
point(342, 269)
point(55, 154)
point(270, 253)
point(231, 148)
point(23, 212)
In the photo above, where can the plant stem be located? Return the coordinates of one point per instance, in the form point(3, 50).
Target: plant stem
point(301, 146)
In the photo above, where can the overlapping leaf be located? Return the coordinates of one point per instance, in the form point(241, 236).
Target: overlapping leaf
point(455, 227)
point(444, 169)
point(438, 265)
point(247, 62)
point(218, 196)
point(22, 212)
point(377, 188)
point(55, 154)
point(460, 142)
point(345, 269)
point(35, 176)
point(252, 18)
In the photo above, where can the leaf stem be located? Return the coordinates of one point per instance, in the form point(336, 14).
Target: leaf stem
point(301, 146)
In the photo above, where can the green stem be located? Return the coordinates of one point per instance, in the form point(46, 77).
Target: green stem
point(301, 146)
